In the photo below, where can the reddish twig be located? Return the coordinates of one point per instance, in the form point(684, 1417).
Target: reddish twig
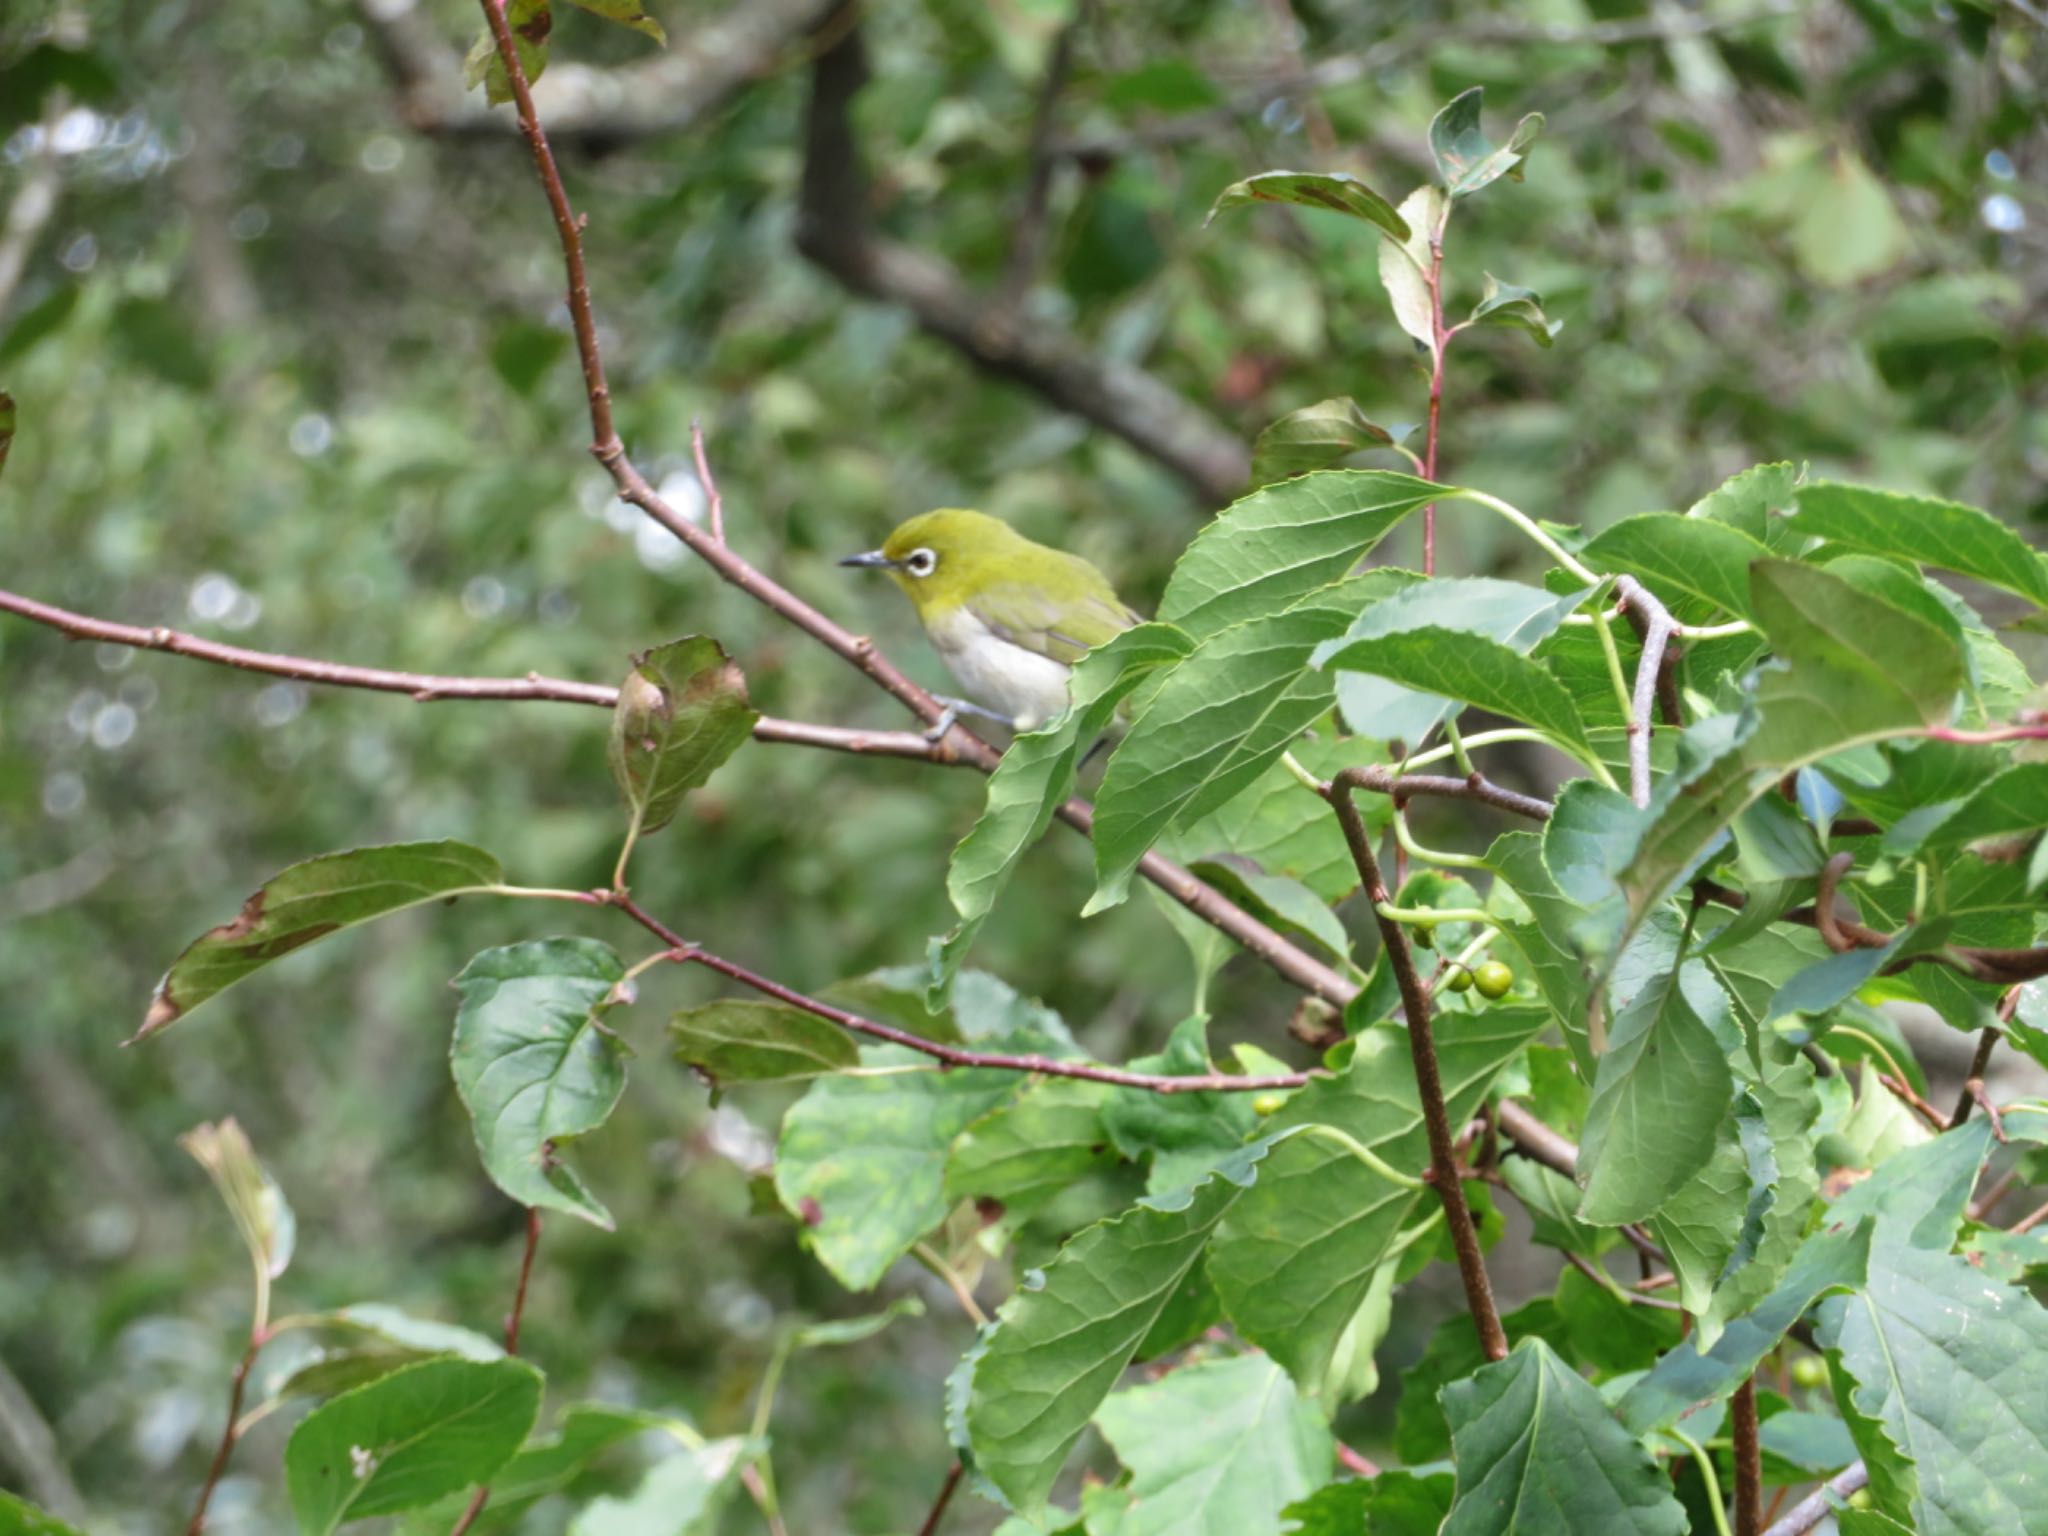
point(1362, 1465)
point(482, 1496)
point(1904, 1092)
point(1749, 1461)
point(229, 1431)
point(714, 504)
point(938, 1510)
point(1443, 1170)
point(1987, 1042)
point(1613, 1287)
point(1841, 937)
point(2028, 1222)
point(1383, 780)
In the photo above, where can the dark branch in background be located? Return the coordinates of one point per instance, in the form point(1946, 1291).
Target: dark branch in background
point(668, 92)
point(1443, 1156)
point(1027, 234)
point(1816, 1507)
point(836, 231)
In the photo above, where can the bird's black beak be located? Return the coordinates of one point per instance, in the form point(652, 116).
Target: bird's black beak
point(872, 557)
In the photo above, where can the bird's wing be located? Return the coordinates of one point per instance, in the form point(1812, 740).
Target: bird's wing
point(1065, 630)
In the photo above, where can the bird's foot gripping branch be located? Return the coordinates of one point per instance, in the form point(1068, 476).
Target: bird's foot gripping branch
point(1796, 785)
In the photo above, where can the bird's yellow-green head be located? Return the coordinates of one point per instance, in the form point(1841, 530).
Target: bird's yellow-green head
point(941, 559)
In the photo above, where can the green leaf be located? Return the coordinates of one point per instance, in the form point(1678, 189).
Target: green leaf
point(1925, 531)
point(20, 1518)
point(1316, 436)
point(1405, 265)
point(1184, 1134)
point(1031, 1149)
point(1334, 191)
point(534, 1066)
point(307, 902)
point(1511, 617)
point(1754, 502)
point(39, 321)
point(1058, 1346)
point(1421, 1433)
point(682, 711)
point(1662, 1088)
point(265, 1220)
point(681, 1495)
point(1539, 1454)
point(1218, 721)
point(2014, 802)
point(1295, 1258)
point(531, 22)
point(1951, 1367)
point(862, 1160)
point(1275, 546)
point(627, 13)
point(1396, 1503)
point(1035, 776)
point(1286, 828)
point(1516, 308)
point(1218, 1446)
point(408, 1439)
point(1695, 556)
point(1466, 159)
point(1466, 668)
point(550, 1464)
point(158, 336)
point(1286, 906)
point(758, 1042)
point(522, 353)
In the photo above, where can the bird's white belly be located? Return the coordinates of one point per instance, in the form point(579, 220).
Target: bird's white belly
point(1027, 687)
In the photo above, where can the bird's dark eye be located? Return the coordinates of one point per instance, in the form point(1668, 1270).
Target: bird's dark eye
point(921, 562)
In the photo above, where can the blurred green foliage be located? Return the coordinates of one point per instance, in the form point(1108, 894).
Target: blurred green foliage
point(292, 375)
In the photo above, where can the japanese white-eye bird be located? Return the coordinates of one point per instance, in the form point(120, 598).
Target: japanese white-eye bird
point(1007, 616)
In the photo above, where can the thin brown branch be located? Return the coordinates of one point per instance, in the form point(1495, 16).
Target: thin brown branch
point(482, 1497)
point(1383, 780)
point(1980, 1063)
point(1443, 1170)
point(1608, 1283)
point(835, 230)
point(713, 502)
point(1537, 1141)
point(2008, 967)
point(1749, 1462)
point(1816, 1506)
point(2028, 1222)
point(1839, 936)
point(237, 1384)
point(938, 1509)
point(683, 951)
point(1904, 1092)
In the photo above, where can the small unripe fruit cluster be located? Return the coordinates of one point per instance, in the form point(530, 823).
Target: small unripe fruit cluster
point(1492, 978)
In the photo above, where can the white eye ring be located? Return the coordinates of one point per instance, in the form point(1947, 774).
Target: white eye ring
point(921, 562)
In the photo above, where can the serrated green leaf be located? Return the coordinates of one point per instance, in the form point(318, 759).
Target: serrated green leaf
point(1334, 191)
point(1516, 308)
point(2014, 802)
point(1035, 776)
point(1058, 1346)
point(1286, 828)
point(1697, 556)
point(534, 1067)
point(1755, 502)
point(1294, 1259)
point(862, 1160)
point(1395, 1503)
point(1218, 721)
point(627, 13)
point(1466, 159)
point(407, 1439)
point(1951, 1367)
point(1220, 1446)
point(1466, 668)
point(1926, 531)
point(1405, 265)
point(1317, 436)
point(682, 711)
point(262, 1214)
point(1031, 1149)
point(1662, 1088)
point(1539, 1454)
point(1272, 548)
point(308, 901)
point(742, 1041)
point(1184, 1134)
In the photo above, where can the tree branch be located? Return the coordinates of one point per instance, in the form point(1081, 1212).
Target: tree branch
point(1443, 1169)
point(835, 231)
point(1749, 1465)
point(1652, 683)
point(475, 1507)
point(1816, 1506)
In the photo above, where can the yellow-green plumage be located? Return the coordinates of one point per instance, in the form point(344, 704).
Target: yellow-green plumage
point(1008, 616)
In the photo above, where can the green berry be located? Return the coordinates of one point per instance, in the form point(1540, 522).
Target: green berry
point(1267, 1103)
point(1810, 1371)
point(1460, 979)
point(1493, 979)
point(1422, 936)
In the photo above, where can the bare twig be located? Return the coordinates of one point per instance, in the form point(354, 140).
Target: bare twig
point(1749, 1464)
point(713, 502)
point(1841, 937)
point(938, 1510)
point(482, 1496)
point(1356, 1462)
point(1815, 1507)
point(230, 1431)
point(2028, 1222)
point(1613, 1287)
point(1657, 627)
point(1443, 1171)
point(1383, 780)
point(1987, 1042)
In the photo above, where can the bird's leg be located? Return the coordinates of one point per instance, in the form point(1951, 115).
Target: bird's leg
point(955, 708)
